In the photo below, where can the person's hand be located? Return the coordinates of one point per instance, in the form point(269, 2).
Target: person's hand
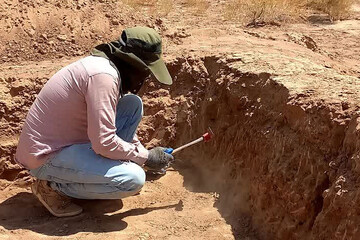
point(158, 159)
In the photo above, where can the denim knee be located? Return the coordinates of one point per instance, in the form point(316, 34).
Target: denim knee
point(138, 179)
point(136, 104)
point(134, 179)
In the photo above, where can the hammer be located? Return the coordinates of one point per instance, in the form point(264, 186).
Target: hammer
point(205, 137)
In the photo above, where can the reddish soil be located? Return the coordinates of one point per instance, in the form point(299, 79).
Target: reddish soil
point(282, 101)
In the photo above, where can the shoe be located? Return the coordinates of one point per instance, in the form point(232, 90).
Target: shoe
point(58, 204)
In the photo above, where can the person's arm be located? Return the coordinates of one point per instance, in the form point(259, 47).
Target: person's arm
point(137, 142)
point(101, 99)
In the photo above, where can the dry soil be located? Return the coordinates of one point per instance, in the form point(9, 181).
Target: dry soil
point(283, 102)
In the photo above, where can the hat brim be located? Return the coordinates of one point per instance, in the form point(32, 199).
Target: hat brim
point(160, 71)
point(157, 68)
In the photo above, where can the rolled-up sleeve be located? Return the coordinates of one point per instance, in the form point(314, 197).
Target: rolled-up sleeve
point(101, 98)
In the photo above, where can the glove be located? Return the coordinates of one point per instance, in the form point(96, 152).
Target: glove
point(158, 159)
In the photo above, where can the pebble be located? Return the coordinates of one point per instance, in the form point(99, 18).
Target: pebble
point(62, 37)
point(31, 32)
point(114, 21)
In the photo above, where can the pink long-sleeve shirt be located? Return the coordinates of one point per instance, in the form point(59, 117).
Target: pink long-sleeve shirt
point(77, 105)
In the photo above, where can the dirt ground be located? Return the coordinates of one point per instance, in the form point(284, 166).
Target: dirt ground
point(163, 210)
point(283, 102)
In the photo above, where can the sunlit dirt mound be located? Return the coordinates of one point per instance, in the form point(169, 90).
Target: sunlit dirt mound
point(57, 29)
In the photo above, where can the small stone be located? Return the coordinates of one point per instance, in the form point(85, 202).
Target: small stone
point(345, 105)
point(114, 21)
point(62, 37)
point(44, 36)
point(31, 32)
point(50, 42)
point(159, 21)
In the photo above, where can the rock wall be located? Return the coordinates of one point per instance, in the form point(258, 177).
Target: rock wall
point(288, 161)
point(282, 162)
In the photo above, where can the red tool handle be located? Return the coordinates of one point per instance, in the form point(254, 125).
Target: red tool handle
point(207, 137)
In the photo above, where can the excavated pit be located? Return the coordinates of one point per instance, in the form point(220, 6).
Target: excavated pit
point(274, 165)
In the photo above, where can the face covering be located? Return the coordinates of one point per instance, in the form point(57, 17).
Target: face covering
point(131, 78)
point(132, 71)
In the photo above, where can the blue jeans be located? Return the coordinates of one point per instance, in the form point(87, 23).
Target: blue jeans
point(77, 171)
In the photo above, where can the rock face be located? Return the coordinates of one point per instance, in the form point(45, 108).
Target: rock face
point(287, 159)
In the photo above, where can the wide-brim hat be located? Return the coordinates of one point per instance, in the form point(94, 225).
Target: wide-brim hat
point(142, 46)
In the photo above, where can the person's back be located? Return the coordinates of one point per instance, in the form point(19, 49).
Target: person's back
point(58, 117)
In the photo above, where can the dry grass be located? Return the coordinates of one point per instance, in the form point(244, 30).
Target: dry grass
point(255, 12)
point(337, 9)
point(164, 7)
point(263, 11)
point(198, 6)
point(154, 7)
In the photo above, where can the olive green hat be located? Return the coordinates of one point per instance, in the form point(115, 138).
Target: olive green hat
point(142, 46)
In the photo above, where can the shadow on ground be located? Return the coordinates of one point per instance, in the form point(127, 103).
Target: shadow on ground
point(24, 211)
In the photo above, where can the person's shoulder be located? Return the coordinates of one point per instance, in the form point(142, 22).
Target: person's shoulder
point(97, 65)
